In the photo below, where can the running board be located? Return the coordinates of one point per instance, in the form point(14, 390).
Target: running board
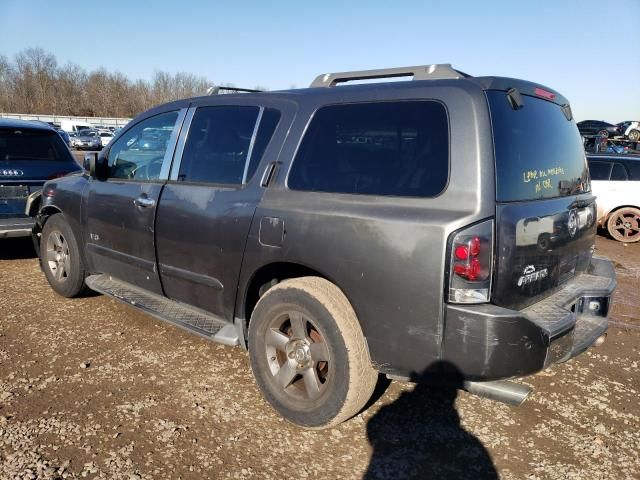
point(176, 313)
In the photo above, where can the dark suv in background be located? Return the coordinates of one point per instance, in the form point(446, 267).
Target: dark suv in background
point(442, 225)
point(30, 154)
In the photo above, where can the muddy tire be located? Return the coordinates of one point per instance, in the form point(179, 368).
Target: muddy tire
point(624, 225)
point(60, 256)
point(308, 353)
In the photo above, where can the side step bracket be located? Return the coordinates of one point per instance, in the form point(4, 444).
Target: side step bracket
point(179, 314)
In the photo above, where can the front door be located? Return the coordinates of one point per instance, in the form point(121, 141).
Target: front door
point(121, 207)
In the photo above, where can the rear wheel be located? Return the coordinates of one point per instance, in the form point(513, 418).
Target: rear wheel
point(604, 133)
point(308, 353)
point(60, 257)
point(624, 225)
point(634, 135)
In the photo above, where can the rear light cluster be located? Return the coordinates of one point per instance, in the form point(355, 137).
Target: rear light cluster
point(471, 264)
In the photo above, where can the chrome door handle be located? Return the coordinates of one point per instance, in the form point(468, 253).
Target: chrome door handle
point(144, 202)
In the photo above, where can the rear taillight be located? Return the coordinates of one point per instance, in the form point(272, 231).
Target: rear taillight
point(471, 264)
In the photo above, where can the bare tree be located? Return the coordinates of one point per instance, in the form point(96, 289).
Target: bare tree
point(34, 83)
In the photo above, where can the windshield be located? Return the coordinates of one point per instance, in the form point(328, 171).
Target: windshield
point(539, 153)
point(28, 144)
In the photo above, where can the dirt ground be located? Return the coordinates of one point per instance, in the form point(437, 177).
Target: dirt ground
point(90, 388)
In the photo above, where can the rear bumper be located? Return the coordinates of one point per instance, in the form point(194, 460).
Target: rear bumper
point(16, 227)
point(487, 342)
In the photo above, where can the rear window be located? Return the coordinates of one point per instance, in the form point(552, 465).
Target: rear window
point(31, 144)
point(538, 152)
point(383, 148)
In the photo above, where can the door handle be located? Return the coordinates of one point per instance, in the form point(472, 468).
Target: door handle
point(144, 202)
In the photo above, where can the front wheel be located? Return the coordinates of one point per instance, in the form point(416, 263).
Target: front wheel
point(624, 225)
point(60, 257)
point(634, 135)
point(308, 353)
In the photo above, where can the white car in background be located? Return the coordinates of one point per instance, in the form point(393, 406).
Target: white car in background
point(615, 181)
point(105, 136)
point(633, 131)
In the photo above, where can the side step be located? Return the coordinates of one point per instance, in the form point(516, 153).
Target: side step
point(179, 314)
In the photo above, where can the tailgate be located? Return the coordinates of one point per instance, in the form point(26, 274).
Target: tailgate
point(545, 213)
point(541, 245)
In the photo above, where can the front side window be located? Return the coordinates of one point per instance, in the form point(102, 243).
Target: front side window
point(218, 145)
point(139, 152)
point(383, 148)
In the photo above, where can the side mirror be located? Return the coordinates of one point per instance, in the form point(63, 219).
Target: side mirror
point(90, 163)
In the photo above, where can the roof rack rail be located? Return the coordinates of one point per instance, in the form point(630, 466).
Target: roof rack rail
point(437, 71)
point(215, 90)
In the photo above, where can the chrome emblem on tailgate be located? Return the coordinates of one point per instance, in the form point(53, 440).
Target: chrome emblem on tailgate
point(529, 275)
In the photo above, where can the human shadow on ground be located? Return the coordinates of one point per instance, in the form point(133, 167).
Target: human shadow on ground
point(419, 435)
point(17, 248)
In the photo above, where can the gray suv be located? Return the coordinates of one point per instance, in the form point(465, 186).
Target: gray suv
point(442, 225)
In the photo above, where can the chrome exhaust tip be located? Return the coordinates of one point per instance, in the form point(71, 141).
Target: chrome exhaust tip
point(600, 340)
point(503, 391)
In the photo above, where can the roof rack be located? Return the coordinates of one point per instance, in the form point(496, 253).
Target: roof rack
point(215, 90)
point(437, 71)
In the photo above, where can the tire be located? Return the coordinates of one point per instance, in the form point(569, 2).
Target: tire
point(634, 135)
point(60, 257)
point(308, 353)
point(604, 133)
point(624, 225)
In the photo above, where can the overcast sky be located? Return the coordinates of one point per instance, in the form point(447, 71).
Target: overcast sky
point(588, 50)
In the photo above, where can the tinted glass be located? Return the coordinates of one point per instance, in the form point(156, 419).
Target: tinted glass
point(268, 124)
point(634, 170)
point(539, 153)
point(27, 144)
point(618, 173)
point(387, 148)
point(139, 152)
point(218, 145)
point(599, 170)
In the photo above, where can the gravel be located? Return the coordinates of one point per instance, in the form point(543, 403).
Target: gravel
point(90, 388)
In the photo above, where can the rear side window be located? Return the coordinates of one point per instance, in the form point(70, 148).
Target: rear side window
point(218, 145)
point(599, 170)
point(538, 152)
point(383, 148)
point(32, 144)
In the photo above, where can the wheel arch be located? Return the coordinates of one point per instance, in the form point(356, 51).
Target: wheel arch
point(615, 209)
point(268, 275)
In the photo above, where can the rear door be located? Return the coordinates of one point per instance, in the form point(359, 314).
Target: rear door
point(121, 208)
point(207, 207)
point(545, 210)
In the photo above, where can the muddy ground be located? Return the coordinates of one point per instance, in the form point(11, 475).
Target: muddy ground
point(90, 388)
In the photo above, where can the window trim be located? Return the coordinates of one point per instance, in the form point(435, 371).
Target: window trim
point(168, 154)
point(305, 130)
